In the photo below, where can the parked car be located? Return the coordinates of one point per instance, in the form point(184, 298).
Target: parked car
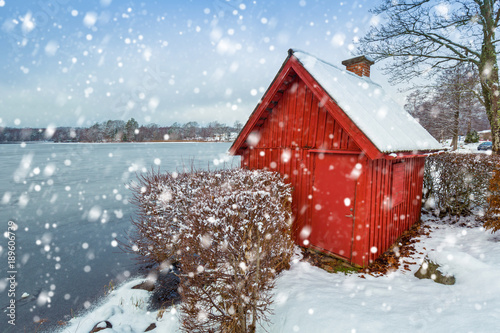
point(485, 146)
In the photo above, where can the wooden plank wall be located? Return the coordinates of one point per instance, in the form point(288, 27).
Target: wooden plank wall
point(387, 223)
point(298, 121)
point(297, 124)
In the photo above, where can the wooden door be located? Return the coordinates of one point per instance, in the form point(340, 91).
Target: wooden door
point(333, 213)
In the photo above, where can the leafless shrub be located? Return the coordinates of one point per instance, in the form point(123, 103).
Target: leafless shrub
point(492, 216)
point(229, 233)
point(160, 201)
point(454, 184)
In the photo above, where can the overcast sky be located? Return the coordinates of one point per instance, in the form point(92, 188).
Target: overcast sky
point(77, 62)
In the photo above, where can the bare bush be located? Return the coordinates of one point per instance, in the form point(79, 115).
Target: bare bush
point(229, 232)
point(160, 201)
point(492, 216)
point(454, 184)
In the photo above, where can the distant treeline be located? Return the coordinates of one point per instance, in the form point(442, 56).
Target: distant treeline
point(121, 131)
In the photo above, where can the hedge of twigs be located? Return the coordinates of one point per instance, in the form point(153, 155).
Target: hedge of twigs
point(228, 233)
point(492, 216)
point(455, 184)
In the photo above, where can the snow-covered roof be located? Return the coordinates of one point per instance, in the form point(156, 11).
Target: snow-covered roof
point(385, 123)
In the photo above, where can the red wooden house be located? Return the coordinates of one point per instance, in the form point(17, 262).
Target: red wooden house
point(353, 156)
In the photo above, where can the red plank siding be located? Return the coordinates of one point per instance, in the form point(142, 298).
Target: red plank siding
point(303, 122)
point(300, 114)
point(320, 126)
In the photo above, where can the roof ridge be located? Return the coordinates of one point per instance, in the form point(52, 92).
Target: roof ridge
point(372, 109)
point(367, 79)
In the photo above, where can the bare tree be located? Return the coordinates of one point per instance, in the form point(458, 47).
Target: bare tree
point(421, 105)
point(449, 107)
point(190, 129)
point(428, 35)
point(114, 130)
point(237, 126)
point(455, 91)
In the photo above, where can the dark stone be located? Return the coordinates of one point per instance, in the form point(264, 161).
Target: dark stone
point(430, 270)
point(165, 291)
point(98, 329)
point(150, 327)
point(146, 285)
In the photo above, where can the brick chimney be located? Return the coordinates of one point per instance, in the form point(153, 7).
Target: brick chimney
point(359, 65)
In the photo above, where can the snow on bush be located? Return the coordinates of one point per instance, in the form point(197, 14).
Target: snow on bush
point(163, 202)
point(454, 184)
point(229, 233)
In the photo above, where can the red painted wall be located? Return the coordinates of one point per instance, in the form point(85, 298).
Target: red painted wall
point(298, 127)
point(385, 222)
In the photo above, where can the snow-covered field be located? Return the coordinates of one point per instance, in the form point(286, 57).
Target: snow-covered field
point(309, 299)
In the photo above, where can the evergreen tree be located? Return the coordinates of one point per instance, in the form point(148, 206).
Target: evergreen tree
point(472, 137)
point(130, 127)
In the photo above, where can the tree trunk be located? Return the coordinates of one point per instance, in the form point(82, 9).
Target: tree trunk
point(454, 141)
point(490, 93)
point(495, 128)
point(456, 119)
point(488, 73)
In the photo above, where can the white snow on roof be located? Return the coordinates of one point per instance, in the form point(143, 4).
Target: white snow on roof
point(386, 124)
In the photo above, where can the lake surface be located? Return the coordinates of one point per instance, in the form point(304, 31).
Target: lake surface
point(71, 204)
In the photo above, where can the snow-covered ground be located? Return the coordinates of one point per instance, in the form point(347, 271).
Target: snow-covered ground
point(466, 148)
point(309, 299)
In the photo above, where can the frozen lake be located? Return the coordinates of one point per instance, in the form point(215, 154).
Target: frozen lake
point(70, 204)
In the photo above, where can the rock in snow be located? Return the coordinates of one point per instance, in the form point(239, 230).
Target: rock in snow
point(430, 270)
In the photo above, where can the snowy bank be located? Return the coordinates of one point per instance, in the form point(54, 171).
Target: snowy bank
point(309, 299)
point(126, 309)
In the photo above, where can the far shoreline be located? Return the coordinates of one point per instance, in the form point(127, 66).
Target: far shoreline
point(108, 142)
